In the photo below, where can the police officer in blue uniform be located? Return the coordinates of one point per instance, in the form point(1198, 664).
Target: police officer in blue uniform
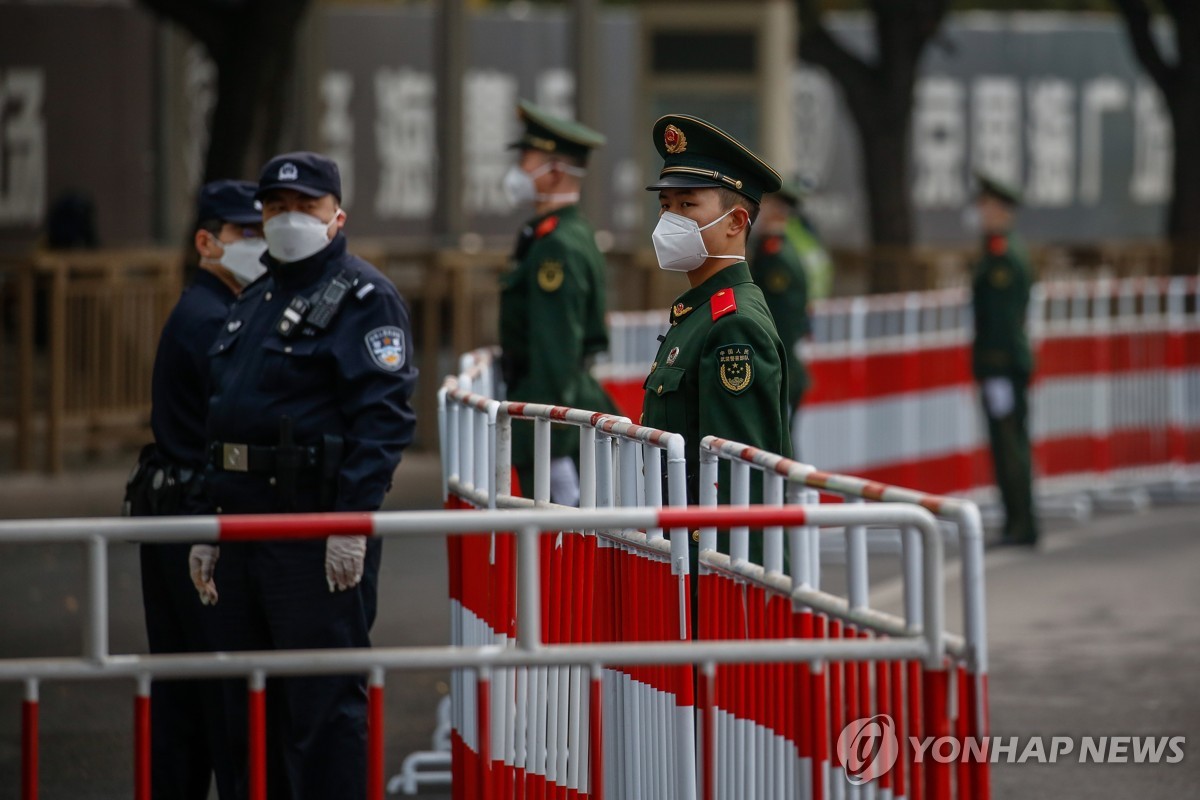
point(187, 736)
point(311, 381)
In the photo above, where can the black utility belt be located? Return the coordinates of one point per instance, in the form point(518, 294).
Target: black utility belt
point(238, 457)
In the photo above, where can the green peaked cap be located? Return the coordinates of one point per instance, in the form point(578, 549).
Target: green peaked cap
point(997, 188)
point(697, 154)
point(794, 191)
point(550, 134)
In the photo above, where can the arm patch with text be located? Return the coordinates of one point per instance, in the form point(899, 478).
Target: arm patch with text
point(735, 367)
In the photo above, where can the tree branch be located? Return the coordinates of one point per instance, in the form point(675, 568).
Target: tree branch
point(929, 15)
point(1186, 15)
point(1137, 24)
point(202, 20)
point(819, 46)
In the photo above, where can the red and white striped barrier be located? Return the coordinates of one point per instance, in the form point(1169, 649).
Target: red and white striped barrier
point(654, 656)
point(826, 697)
point(598, 588)
point(1116, 391)
point(766, 730)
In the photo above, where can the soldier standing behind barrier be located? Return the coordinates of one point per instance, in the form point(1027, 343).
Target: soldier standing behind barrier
point(779, 272)
point(187, 731)
point(1001, 358)
point(802, 233)
point(721, 369)
point(311, 381)
point(552, 302)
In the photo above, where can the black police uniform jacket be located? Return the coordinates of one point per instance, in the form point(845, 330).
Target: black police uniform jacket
point(178, 389)
point(352, 380)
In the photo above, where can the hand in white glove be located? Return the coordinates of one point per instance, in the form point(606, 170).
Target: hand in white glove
point(202, 560)
point(344, 557)
point(998, 396)
point(564, 482)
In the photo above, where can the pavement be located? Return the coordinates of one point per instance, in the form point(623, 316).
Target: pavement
point(1094, 633)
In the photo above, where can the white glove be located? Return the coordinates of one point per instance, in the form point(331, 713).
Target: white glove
point(344, 557)
point(564, 482)
point(998, 396)
point(202, 560)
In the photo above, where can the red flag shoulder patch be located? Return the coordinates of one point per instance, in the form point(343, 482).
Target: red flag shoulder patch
point(545, 226)
point(722, 303)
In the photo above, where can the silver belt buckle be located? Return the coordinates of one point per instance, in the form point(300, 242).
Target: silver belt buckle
point(235, 457)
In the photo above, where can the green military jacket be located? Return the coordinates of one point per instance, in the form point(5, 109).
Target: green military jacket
point(777, 270)
point(1000, 299)
point(552, 306)
point(721, 370)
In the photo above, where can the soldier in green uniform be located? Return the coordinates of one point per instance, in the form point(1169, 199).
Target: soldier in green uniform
point(777, 269)
point(802, 233)
point(552, 302)
point(1001, 359)
point(721, 369)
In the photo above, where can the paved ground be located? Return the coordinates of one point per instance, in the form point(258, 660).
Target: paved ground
point(1094, 634)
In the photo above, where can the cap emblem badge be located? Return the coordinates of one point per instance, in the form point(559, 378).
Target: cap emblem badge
point(674, 139)
point(288, 172)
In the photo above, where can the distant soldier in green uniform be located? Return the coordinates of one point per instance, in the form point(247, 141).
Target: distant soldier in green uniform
point(721, 369)
point(777, 269)
point(552, 302)
point(802, 233)
point(1001, 358)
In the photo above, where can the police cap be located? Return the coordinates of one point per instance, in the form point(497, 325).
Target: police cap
point(556, 135)
point(229, 201)
point(308, 173)
point(697, 154)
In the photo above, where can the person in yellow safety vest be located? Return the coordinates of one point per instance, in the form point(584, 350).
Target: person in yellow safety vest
point(802, 235)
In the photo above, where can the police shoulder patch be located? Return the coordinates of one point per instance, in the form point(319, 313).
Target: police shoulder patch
point(386, 347)
point(735, 367)
point(550, 276)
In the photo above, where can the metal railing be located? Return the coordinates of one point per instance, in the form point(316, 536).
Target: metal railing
point(97, 662)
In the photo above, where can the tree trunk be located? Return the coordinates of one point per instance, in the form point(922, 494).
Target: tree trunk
point(889, 200)
point(254, 63)
point(1183, 215)
point(879, 95)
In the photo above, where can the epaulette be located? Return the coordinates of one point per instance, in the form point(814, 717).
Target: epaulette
point(722, 303)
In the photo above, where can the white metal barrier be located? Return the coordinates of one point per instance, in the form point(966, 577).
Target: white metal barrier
point(775, 750)
point(897, 687)
point(529, 651)
point(1115, 399)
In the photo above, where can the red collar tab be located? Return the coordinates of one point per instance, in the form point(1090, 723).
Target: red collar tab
point(545, 226)
point(997, 245)
point(722, 303)
point(772, 245)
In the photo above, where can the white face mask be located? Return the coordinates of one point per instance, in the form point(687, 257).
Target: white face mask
point(520, 190)
point(679, 245)
point(294, 235)
point(241, 258)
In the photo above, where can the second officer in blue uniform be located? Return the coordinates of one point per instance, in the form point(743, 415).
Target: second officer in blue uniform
point(311, 381)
